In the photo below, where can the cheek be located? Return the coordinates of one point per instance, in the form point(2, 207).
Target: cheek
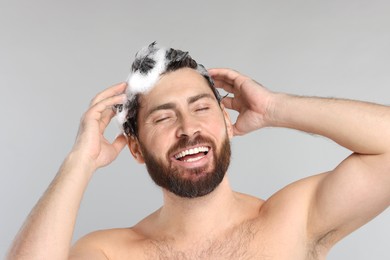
point(157, 143)
point(218, 126)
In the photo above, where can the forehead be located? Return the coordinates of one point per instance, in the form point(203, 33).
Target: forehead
point(175, 86)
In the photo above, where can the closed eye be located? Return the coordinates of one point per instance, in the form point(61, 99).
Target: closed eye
point(161, 120)
point(202, 109)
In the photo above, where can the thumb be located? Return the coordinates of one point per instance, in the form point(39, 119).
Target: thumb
point(119, 143)
point(228, 102)
point(236, 132)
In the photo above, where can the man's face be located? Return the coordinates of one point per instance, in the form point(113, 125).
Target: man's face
point(183, 134)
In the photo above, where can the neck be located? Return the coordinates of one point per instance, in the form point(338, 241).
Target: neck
point(210, 213)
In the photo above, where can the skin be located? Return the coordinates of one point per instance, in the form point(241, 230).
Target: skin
point(301, 221)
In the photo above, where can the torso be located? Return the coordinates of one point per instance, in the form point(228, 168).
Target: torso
point(278, 231)
point(255, 239)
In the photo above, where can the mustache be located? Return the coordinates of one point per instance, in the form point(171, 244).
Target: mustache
point(187, 141)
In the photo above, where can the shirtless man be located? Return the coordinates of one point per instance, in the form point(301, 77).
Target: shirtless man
point(202, 217)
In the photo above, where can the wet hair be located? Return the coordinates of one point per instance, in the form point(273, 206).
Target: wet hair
point(150, 63)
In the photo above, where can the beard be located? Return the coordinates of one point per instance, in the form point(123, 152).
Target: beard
point(171, 178)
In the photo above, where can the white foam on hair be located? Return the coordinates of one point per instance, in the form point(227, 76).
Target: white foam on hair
point(121, 118)
point(138, 82)
point(141, 83)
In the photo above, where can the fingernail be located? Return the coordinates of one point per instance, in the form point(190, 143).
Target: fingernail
point(124, 97)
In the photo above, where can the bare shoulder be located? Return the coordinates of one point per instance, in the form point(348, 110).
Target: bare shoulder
point(294, 200)
point(298, 192)
point(290, 209)
point(109, 244)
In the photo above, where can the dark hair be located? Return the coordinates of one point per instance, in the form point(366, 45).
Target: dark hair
point(177, 60)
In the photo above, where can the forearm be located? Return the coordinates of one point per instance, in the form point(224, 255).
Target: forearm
point(359, 126)
point(47, 232)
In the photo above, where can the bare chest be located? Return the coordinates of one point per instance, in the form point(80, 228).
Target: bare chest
point(248, 241)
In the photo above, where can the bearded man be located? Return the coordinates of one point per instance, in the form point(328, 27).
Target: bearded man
point(175, 121)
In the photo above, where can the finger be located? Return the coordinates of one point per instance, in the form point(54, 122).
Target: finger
point(119, 143)
point(109, 92)
point(236, 132)
point(108, 113)
point(228, 103)
point(106, 117)
point(95, 112)
point(219, 72)
point(224, 85)
point(232, 77)
point(227, 75)
point(110, 102)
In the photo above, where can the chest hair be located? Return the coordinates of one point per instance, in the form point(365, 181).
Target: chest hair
point(236, 244)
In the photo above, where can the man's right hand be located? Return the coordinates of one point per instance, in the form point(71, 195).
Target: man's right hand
point(47, 232)
point(91, 146)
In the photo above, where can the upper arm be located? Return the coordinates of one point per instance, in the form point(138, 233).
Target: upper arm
point(350, 195)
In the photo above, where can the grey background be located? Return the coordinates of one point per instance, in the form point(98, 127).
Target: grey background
point(56, 55)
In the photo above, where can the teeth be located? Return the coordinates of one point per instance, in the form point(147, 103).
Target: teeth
point(196, 150)
point(194, 159)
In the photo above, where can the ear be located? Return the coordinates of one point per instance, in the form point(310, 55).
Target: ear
point(135, 149)
point(228, 122)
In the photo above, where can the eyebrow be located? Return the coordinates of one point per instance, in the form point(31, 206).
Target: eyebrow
point(172, 105)
point(193, 99)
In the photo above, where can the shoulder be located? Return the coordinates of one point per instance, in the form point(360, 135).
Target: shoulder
point(112, 234)
point(106, 244)
point(300, 192)
point(295, 199)
point(295, 203)
point(285, 216)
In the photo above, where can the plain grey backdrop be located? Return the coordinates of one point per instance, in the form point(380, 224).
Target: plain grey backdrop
point(56, 55)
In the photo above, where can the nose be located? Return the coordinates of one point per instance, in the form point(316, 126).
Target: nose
point(187, 127)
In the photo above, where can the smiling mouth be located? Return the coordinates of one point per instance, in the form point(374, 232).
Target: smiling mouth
point(193, 154)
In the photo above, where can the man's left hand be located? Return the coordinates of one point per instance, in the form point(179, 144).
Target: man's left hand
point(251, 100)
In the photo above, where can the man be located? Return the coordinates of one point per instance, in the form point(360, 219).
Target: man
point(181, 131)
